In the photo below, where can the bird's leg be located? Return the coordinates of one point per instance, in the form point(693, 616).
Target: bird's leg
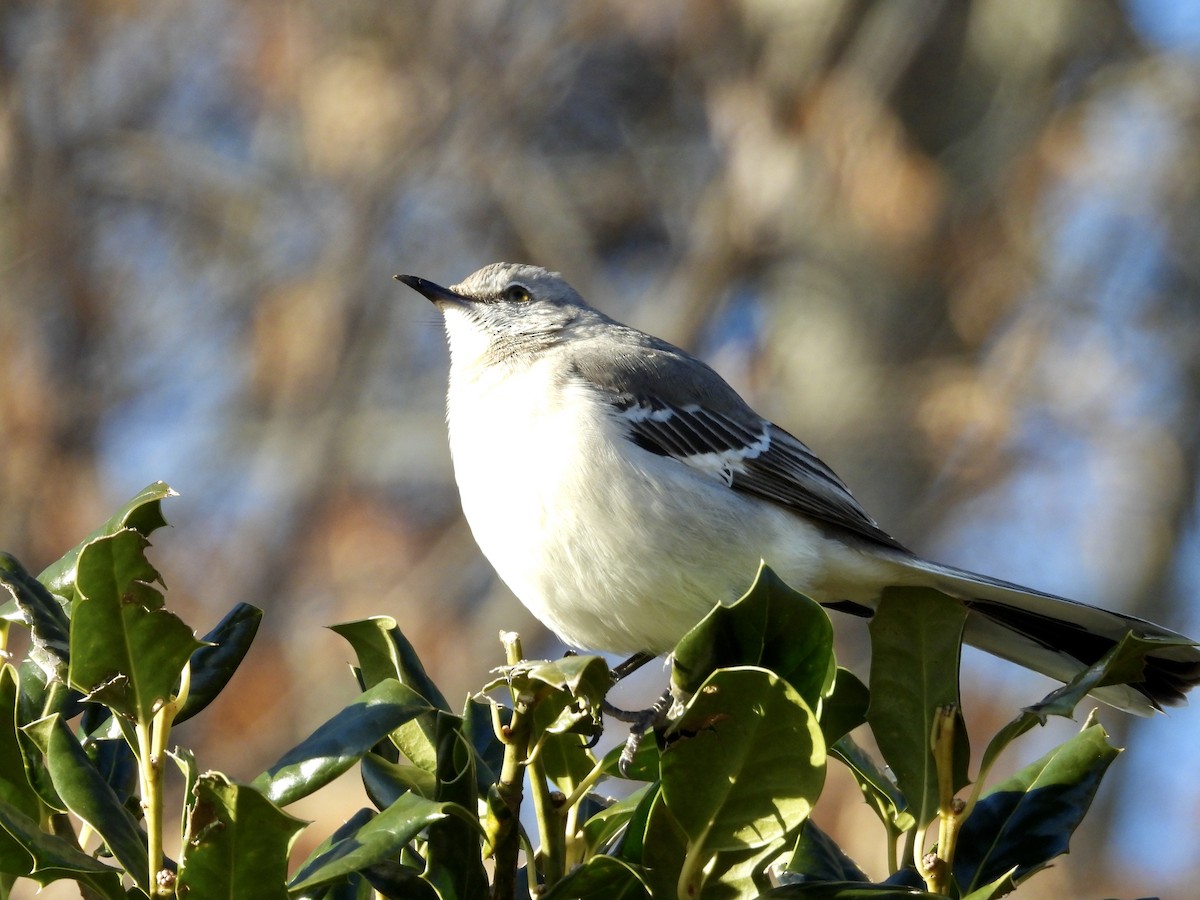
point(624, 670)
point(631, 665)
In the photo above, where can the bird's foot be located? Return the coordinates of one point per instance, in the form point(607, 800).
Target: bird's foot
point(640, 721)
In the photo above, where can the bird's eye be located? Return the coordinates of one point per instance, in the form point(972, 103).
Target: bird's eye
point(516, 293)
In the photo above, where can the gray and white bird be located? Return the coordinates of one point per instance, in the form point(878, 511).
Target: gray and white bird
point(621, 488)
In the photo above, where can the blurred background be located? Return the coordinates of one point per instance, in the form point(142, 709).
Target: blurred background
point(953, 246)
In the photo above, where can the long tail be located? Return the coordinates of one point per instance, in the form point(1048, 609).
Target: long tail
point(1059, 637)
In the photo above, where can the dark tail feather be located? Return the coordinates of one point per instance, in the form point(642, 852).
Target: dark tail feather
point(1165, 681)
point(1060, 637)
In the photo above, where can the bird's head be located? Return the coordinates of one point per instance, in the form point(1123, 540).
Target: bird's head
point(504, 309)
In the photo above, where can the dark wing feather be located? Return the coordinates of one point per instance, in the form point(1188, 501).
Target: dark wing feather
point(674, 405)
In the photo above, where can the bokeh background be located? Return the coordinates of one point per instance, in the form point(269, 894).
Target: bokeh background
point(954, 246)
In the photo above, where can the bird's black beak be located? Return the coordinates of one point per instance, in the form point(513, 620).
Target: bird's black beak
point(435, 293)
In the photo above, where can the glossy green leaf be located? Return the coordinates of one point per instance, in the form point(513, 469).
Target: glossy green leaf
point(33, 698)
point(48, 857)
point(736, 874)
point(1000, 887)
point(1122, 664)
point(846, 706)
point(655, 841)
point(15, 858)
point(213, 664)
point(391, 879)
point(601, 878)
point(142, 514)
point(14, 785)
point(878, 789)
point(480, 730)
point(384, 652)
point(771, 626)
point(847, 890)
point(1025, 821)
point(916, 638)
point(185, 760)
point(33, 605)
point(452, 855)
point(236, 844)
point(818, 857)
point(127, 651)
point(566, 761)
point(562, 692)
point(602, 829)
point(379, 839)
point(386, 781)
point(579, 676)
point(341, 741)
point(341, 833)
point(88, 795)
point(755, 745)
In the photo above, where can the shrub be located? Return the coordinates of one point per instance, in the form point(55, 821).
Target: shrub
point(715, 803)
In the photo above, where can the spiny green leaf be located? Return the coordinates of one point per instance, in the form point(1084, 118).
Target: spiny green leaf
point(126, 650)
point(772, 626)
point(384, 652)
point(453, 862)
point(391, 879)
point(1003, 885)
point(236, 844)
point(1025, 821)
point(566, 761)
point(88, 795)
point(386, 781)
point(142, 514)
point(754, 743)
point(601, 878)
point(1122, 664)
point(14, 785)
point(479, 728)
point(382, 837)
point(655, 841)
point(48, 857)
point(736, 874)
point(603, 827)
point(878, 790)
point(646, 762)
point(34, 606)
point(846, 706)
point(916, 638)
point(213, 664)
point(341, 741)
point(847, 890)
point(817, 857)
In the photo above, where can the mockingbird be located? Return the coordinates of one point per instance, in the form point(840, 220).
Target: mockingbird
point(622, 488)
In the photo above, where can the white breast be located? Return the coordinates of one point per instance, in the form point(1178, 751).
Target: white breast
point(611, 546)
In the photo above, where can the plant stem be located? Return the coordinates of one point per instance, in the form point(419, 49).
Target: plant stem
point(551, 826)
point(893, 862)
point(581, 789)
point(509, 787)
point(936, 871)
point(151, 751)
point(150, 772)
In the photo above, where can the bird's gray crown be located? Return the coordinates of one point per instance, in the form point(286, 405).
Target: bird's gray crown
point(505, 281)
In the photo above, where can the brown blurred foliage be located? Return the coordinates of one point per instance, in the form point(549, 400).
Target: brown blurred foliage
point(949, 244)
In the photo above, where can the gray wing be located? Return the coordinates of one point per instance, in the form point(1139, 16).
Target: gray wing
point(674, 405)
